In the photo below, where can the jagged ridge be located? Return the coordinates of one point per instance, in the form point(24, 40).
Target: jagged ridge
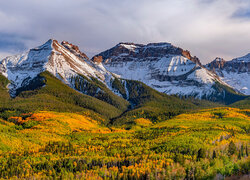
point(164, 67)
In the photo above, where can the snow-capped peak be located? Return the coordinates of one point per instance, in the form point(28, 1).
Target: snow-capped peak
point(162, 66)
point(64, 61)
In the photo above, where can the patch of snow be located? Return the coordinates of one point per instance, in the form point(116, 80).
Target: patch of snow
point(129, 46)
point(239, 81)
point(202, 75)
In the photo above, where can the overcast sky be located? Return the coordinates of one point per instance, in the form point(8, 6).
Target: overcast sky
point(208, 28)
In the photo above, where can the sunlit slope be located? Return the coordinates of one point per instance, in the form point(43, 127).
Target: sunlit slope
point(35, 130)
point(206, 128)
point(211, 118)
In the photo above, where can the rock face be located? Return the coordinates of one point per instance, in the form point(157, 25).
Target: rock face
point(162, 66)
point(217, 63)
point(130, 51)
point(74, 49)
point(65, 61)
point(97, 59)
point(236, 72)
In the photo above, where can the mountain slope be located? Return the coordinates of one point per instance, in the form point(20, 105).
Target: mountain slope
point(54, 95)
point(236, 72)
point(243, 104)
point(148, 103)
point(165, 68)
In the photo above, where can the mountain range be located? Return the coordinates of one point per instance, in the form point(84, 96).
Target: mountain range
point(162, 66)
point(158, 79)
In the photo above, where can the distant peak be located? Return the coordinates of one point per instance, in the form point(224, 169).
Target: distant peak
point(218, 62)
point(47, 44)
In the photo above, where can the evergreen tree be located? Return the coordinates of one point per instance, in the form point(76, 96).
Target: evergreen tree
point(214, 155)
point(239, 155)
point(232, 148)
point(242, 150)
point(201, 154)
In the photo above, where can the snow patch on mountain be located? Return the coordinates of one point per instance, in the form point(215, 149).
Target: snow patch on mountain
point(129, 46)
point(238, 81)
point(203, 76)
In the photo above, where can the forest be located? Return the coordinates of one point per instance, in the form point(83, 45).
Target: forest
point(62, 145)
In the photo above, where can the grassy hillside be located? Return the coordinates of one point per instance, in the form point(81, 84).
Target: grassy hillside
point(226, 95)
point(151, 104)
point(56, 96)
point(244, 104)
point(197, 145)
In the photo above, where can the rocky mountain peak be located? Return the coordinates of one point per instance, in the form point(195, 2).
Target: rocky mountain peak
point(74, 49)
point(216, 63)
point(234, 72)
point(64, 61)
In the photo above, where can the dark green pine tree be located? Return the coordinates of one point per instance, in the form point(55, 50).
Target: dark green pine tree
point(232, 148)
point(201, 154)
point(239, 155)
point(214, 155)
point(242, 150)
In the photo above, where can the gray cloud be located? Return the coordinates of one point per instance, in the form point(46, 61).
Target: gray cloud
point(208, 28)
point(12, 42)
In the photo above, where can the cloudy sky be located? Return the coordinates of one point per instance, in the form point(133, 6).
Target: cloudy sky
point(208, 28)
